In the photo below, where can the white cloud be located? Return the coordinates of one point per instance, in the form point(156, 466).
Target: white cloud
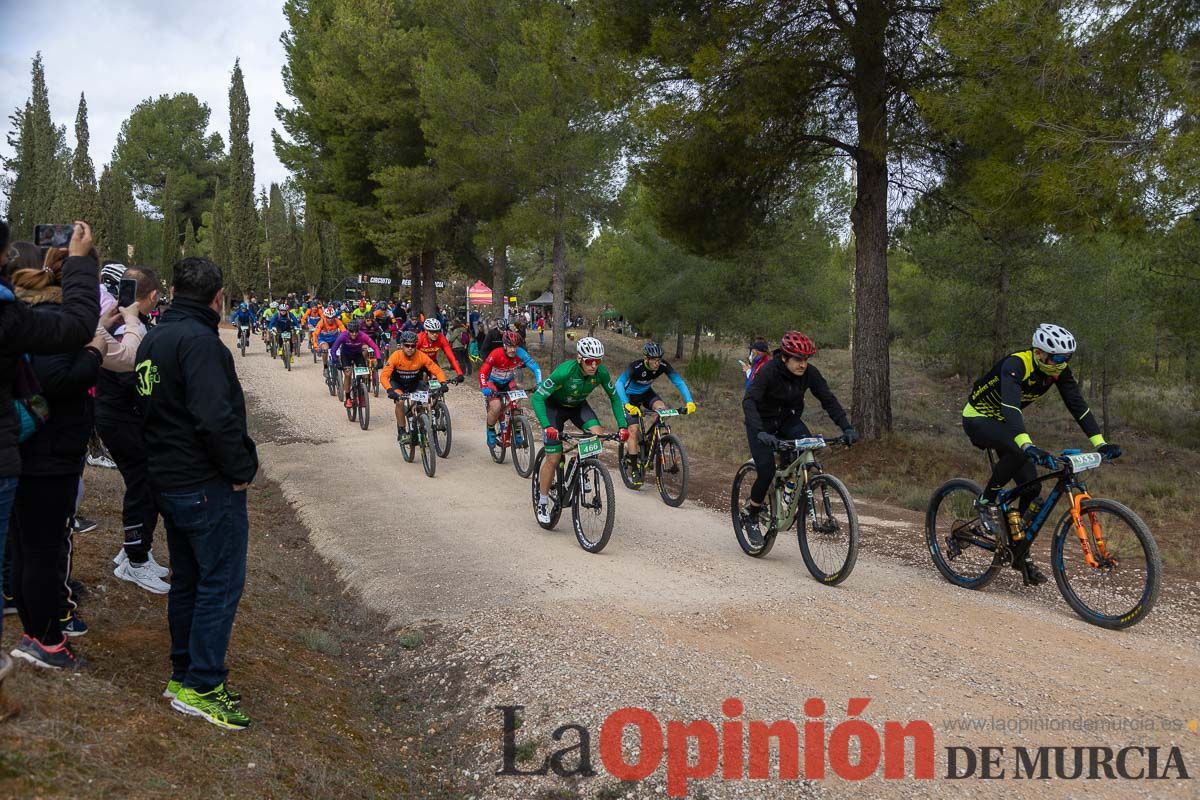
point(120, 53)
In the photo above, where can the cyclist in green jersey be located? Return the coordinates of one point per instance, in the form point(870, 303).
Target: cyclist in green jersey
point(562, 397)
point(993, 420)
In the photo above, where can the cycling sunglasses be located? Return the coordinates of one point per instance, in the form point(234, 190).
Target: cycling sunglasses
point(1059, 358)
point(591, 362)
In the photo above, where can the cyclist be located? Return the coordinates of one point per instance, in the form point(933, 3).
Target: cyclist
point(773, 405)
point(326, 332)
point(993, 420)
point(499, 374)
point(253, 305)
point(760, 353)
point(562, 397)
point(346, 353)
point(312, 316)
point(370, 326)
point(280, 322)
point(635, 388)
point(268, 314)
point(404, 372)
point(242, 316)
point(430, 341)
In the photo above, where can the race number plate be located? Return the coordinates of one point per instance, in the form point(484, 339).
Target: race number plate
point(517, 394)
point(590, 447)
point(434, 386)
point(361, 371)
point(245, 328)
point(286, 334)
point(668, 412)
point(1084, 461)
point(809, 443)
point(419, 397)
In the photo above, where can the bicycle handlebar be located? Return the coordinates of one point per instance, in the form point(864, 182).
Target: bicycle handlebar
point(802, 444)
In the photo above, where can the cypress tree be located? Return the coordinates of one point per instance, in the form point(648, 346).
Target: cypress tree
point(170, 232)
point(83, 174)
point(189, 240)
point(113, 227)
point(220, 233)
point(37, 164)
point(243, 220)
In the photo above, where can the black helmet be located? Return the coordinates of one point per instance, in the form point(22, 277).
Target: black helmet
point(352, 326)
point(408, 337)
point(652, 350)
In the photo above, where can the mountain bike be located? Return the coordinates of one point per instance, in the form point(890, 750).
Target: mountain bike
point(285, 348)
point(513, 432)
point(418, 430)
point(332, 379)
point(360, 396)
point(1109, 572)
point(272, 342)
point(373, 366)
point(661, 449)
point(583, 483)
point(802, 493)
point(243, 338)
point(439, 418)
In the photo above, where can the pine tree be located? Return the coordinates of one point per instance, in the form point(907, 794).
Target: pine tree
point(243, 221)
point(310, 251)
point(83, 174)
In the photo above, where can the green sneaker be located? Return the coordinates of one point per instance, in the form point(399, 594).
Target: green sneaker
point(214, 706)
point(173, 687)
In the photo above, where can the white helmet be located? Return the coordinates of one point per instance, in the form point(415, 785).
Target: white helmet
point(1053, 339)
point(432, 325)
point(274, 304)
point(590, 347)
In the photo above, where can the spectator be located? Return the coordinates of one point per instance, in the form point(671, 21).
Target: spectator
point(760, 353)
point(119, 422)
point(51, 459)
point(460, 341)
point(200, 460)
point(489, 338)
point(541, 329)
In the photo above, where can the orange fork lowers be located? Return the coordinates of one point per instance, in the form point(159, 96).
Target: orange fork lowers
point(1077, 501)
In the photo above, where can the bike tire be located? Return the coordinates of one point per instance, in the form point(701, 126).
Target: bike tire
point(742, 481)
point(364, 408)
point(1148, 594)
point(242, 346)
point(832, 572)
point(408, 441)
point(498, 450)
point(672, 495)
point(623, 469)
point(595, 475)
point(555, 491)
point(375, 382)
point(352, 411)
point(523, 453)
point(443, 428)
point(286, 355)
point(953, 495)
point(341, 391)
point(428, 447)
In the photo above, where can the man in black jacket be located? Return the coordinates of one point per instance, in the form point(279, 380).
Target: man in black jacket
point(773, 405)
point(201, 460)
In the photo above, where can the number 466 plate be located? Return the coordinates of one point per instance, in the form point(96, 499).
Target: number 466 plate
point(590, 447)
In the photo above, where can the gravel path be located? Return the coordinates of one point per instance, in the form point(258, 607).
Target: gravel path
point(673, 618)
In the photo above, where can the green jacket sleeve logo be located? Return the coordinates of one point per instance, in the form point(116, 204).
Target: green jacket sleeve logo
point(147, 376)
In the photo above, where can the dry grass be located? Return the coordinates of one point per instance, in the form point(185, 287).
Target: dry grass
point(1158, 427)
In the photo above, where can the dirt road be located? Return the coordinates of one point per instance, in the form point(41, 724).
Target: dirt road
point(673, 618)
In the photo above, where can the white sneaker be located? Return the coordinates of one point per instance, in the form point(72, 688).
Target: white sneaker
point(543, 513)
point(143, 575)
point(123, 558)
point(101, 461)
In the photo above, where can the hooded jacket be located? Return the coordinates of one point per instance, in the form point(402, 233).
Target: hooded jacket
point(776, 394)
point(195, 412)
point(42, 332)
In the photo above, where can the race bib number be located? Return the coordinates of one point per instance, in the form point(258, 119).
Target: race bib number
point(590, 447)
point(361, 371)
point(668, 412)
point(1082, 462)
point(286, 334)
point(517, 394)
point(809, 443)
point(245, 328)
point(419, 397)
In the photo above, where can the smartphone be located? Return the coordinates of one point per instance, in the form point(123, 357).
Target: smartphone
point(52, 235)
point(127, 294)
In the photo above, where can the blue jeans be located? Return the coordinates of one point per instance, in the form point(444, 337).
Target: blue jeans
point(8, 490)
point(207, 533)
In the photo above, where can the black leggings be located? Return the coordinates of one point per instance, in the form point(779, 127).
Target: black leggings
point(41, 550)
point(764, 456)
point(139, 513)
point(986, 434)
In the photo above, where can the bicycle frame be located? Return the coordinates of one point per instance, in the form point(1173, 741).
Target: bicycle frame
point(799, 469)
point(1065, 482)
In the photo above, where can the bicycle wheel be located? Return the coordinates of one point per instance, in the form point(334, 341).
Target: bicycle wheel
point(428, 447)
point(242, 345)
point(742, 482)
point(1123, 589)
point(286, 356)
point(316, 354)
point(442, 429)
point(963, 550)
point(595, 508)
point(671, 469)
point(408, 440)
point(352, 411)
point(375, 382)
point(364, 405)
point(554, 494)
point(829, 544)
point(522, 445)
point(623, 468)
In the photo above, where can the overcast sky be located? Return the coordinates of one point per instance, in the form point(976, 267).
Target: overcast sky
point(120, 52)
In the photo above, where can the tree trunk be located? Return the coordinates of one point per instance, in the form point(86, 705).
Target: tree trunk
point(558, 284)
point(499, 279)
point(414, 275)
point(696, 341)
point(870, 361)
point(428, 290)
point(1000, 324)
point(679, 341)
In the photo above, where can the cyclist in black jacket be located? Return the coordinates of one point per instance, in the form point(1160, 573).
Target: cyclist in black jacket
point(773, 405)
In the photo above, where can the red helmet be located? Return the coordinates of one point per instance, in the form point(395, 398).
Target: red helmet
point(512, 339)
point(795, 343)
